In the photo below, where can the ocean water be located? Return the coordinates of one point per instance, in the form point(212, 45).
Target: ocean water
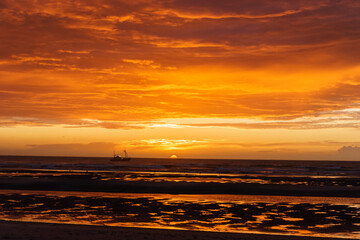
point(266, 167)
point(312, 198)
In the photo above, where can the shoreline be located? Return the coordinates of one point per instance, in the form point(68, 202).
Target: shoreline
point(42, 231)
point(85, 183)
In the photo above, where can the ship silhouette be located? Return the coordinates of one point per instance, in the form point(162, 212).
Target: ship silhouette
point(119, 158)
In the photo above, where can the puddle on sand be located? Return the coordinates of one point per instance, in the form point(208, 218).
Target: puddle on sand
point(315, 216)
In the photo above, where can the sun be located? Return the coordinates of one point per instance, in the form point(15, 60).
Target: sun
point(173, 156)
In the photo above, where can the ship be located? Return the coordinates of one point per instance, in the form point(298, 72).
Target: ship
point(119, 158)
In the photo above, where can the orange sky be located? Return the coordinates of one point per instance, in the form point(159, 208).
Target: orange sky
point(205, 78)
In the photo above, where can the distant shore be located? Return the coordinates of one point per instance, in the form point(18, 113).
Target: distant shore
point(54, 157)
point(42, 231)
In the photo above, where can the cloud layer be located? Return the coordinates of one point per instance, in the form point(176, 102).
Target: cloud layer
point(118, 64)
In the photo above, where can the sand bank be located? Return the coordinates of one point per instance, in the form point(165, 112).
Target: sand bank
point(86, 183)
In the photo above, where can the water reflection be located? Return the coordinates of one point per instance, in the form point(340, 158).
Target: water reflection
point(302, 216)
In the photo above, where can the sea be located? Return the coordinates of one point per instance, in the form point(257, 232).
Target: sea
point(286, 197)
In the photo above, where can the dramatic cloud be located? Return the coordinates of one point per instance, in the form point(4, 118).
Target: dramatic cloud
point(138, 65)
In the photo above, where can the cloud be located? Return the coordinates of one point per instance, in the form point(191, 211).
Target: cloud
point(113, 30)
point(258, 7)
point(136, 109)
point(122, 63)
point(222, 149)
point(349, 152)
point(99, 149)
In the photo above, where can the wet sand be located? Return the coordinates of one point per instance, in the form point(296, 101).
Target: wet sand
point(84, 185)
point(109, 182)
point(42, 231)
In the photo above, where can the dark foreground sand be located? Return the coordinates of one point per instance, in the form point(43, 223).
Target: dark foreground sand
point(42, 231)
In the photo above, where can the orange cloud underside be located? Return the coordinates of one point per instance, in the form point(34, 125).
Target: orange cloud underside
point(140, 65)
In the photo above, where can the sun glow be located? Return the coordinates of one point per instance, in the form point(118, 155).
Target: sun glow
point(188, 83)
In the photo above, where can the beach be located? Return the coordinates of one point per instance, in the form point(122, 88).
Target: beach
point(186, 199)
point(45, 231)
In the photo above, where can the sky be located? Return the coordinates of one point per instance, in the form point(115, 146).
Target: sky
point(206, 79)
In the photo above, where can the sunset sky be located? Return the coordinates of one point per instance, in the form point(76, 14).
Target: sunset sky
point(205, 78)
